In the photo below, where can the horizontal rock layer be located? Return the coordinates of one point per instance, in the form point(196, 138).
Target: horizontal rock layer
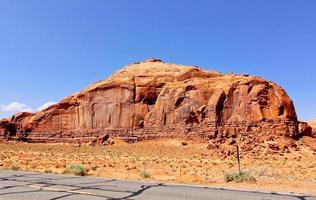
point(153, 99)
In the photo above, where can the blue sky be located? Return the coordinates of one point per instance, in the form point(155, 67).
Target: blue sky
point(50, 49)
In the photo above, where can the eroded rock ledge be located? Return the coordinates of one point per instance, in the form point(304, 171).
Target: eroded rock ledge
point(153, 99)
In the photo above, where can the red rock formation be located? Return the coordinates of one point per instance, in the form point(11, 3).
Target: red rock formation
point(4, 129)
point(313, 125)
point(154, 99)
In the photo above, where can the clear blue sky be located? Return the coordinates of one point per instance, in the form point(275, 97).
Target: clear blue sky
point(50, 49)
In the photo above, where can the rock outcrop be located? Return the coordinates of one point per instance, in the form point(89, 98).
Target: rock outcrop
point(313, 125)
point(152, 99)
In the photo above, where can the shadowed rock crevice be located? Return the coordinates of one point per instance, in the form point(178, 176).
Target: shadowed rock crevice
point(220, 107)
point(11, 130)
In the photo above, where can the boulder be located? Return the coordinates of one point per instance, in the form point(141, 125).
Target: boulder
point(305, 129)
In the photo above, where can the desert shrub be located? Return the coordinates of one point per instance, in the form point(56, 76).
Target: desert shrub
point(131, 168)
point(94, 167)
point(76, 169)
point(243, 176)
point(184, 143)
point(48, 171)
point(145, 174)
point(15, 167)
point(111, 165)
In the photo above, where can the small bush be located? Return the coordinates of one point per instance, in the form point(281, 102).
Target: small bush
point(48, 171)
point(15, 167)
point(243, 176)
point(184, 143)
point(94, 167)
point(76, 169)
point(145, 174)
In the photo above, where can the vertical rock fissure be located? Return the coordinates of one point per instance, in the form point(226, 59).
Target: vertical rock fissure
point(134, 91)
point(92, 115)
point(164, 117)
point(134, 102)
point(78, 116)
point(220, 108)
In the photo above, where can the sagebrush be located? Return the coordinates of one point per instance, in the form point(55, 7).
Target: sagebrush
point(145, 174)
point(243, 176)
point(76, 169)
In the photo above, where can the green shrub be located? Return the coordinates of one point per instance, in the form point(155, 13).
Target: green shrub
point(15, 167)
point(48, 171)
point(76, 169)
point(145, 174)
point(243, 176)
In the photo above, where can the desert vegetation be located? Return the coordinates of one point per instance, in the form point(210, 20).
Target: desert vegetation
point(243, 176)
point(15, 167)
point(76, 169)
point(166, 160)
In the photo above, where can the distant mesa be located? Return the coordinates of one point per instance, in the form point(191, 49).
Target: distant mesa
point(312, 123)
point(152, 99)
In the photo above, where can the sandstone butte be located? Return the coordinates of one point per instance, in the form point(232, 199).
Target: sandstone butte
point(153, 99)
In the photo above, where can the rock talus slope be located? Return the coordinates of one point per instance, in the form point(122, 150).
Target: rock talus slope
point(152, 99)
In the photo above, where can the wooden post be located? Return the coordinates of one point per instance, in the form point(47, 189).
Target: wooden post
point(238, 159)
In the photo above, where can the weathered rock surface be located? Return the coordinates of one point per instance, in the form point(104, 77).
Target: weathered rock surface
point(310, 142)
point(313, 125)
point(153, 99)
point(305, 129)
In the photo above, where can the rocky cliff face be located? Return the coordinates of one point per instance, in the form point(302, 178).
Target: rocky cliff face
point(153, 99)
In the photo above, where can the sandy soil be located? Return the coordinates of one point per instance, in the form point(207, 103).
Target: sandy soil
point(169, 161)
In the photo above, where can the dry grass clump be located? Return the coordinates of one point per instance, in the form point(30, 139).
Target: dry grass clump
point(145, 174)
point(48, 171)
point(76, 169)
point(243, 176)
point(15, 167)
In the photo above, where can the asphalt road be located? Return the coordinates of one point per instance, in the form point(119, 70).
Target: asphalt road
point(30, 185)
